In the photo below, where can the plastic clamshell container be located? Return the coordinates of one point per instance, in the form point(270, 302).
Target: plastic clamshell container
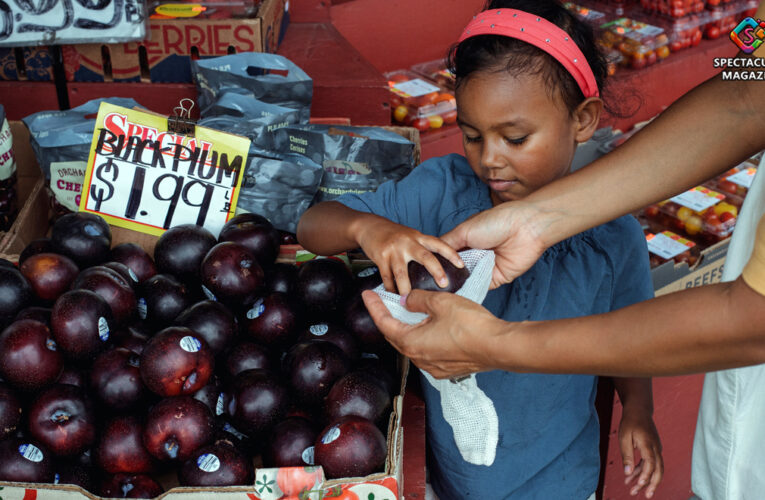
point(594, 18)
point(641, 44)
point(685, 32)
point(418, 102)
point(724, 16)
point(666, 246)
point(436, 71)
point(701, 214)
point(735, 181)
point(673, 8)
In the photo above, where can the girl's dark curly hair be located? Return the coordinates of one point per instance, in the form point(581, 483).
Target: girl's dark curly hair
point(501, 53)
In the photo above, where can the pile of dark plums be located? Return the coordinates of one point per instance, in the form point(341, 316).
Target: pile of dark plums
point(118, 368)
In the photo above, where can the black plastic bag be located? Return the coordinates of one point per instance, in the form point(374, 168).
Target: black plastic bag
point(267, 77)
point(354, 159)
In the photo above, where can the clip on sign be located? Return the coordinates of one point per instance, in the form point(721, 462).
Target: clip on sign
point(147, 173)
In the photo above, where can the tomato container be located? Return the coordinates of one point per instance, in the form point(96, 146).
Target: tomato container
point(703, 215)
point(640, 43)
point(418, 102)
point(673, 8)
point(735, 181)
point(684, 32)
point(594, 18)
point(436, 71)
point(666, 246)
point(723, 16)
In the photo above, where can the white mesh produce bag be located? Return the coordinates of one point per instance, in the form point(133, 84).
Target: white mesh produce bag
point(467, 409)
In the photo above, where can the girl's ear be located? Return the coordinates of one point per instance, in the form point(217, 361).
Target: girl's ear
point(587, 117)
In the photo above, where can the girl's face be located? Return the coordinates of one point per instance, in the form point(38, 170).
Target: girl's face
point(516, 137)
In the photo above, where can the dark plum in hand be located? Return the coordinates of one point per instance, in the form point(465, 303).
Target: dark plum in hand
point(217, 464)
point(81, 321)
point(130, 486)
point(29, 358)
point(180, 250)
point(25, 461)
point(323, 286)
point(213, 322)
point(176, 426)
point(368, 278)
point(49, 274)
point(230, 273)
point(83, 237)
point(115, 379)
point(260, 238)
point(272, 321)
point(63, 419)
point(113, 288)
point(290, 444)
point(350, 447)
point(259, 400)
point(176, 362)
point(313, 367)
point(421, 279)
point(136, 259)
point(10, 411)
point(121, 447)
point(358, 393)
point(15, 293)
point(164, 299)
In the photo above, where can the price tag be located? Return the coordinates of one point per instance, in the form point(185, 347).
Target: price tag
point(414, 88)
point(698, 198)
point(743, 178)
point(667, 244)
point(142, 177)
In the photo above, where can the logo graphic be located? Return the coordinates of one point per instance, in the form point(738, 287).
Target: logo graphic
point(749, 34)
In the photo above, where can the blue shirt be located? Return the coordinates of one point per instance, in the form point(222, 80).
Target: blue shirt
point(548, 426)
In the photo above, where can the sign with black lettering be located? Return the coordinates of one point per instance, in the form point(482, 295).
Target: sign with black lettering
point(48, 22)
point(141, 176)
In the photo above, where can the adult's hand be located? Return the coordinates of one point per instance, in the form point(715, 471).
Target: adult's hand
point(511, 230)
point(450, 342)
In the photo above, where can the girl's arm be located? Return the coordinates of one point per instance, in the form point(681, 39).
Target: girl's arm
point(331, 227)
point(637, 431)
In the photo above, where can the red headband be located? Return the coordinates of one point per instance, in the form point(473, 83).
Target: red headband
point(542, 34)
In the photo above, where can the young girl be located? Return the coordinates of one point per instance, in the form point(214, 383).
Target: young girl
point(528, 75)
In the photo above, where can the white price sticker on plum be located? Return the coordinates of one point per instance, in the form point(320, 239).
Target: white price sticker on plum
point(31, 452)
point(208, 462)
point(190, 344)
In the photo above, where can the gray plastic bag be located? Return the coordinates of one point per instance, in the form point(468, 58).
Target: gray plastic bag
point(267, 77)
point(354, 159)
point(280, 189)
point(61, 142)
point(249, 117)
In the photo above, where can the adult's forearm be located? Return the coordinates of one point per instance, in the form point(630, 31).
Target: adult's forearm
point(702, 329)
point(710, 129)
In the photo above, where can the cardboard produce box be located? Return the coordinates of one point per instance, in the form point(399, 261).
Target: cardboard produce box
point(672, 277)
point(32, 64)
point(270, 483)
point(165, 56)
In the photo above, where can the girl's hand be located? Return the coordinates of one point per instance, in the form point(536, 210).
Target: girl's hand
point(391, 246)
point(511, 231)
point(637, 431)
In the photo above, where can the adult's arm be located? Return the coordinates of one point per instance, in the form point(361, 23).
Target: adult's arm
point(715, 126)
point(700, 329)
